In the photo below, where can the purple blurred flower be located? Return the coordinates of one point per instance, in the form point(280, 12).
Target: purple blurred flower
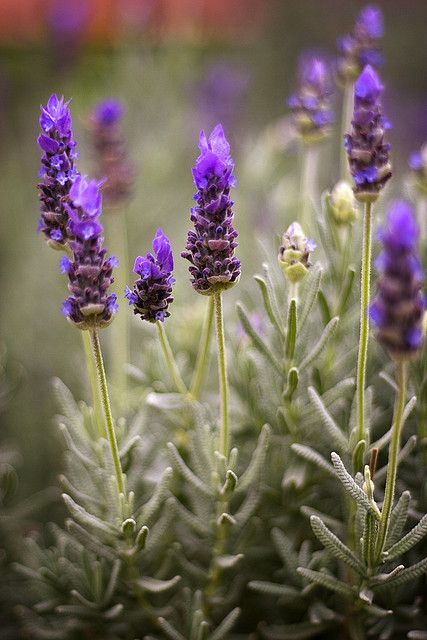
point(111, 151)
point(57, 170)
point(67, 22)
point(210, 246)
point(418, 164)
point(152, 292)
point(311, 104)
point(367, 152)
point(398, 308)
point(90, 271)
point(362, 46)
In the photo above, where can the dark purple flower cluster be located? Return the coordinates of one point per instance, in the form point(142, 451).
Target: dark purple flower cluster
point(90, 305)
point(57, 171)
point(398, 308)
point(367, 152)
point(311, 105)
point(362, 46)
point(111, 152)
point(210, 246)
point(152, 292)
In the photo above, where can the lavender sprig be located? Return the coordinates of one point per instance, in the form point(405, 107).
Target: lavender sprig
point(90, 305)
point(398, 308)
point(57, 170)
point(111, 152)
point(152, 291)
point(362, 46)
point(368, 153)
point(311, 104)
point(210, 246)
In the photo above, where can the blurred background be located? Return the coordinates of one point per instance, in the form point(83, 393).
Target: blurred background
point(177, 66)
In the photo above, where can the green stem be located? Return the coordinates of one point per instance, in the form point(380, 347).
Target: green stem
point(222, 371)
point(308, 183)
point(402, 380)
point(203, 353)
point(119, 329)
point(93, 381)
point(364, 327)
point(170, 360)
point(96, 346)
point(347, 111)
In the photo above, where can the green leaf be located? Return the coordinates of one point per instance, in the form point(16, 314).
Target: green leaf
point(257, 341)
point(274, 589)
point(312, 456)
point(186, 472)
point(320, 344)
point(256, 466)
point(407, 575)
point(398, 518)
point(327, 581)
point(268, 304)
point(168, 630)
point(335, 546)
point(311, 291)
point(324, 307)
point(297, 631)
point(147, 511)
point(152, 585)
point(291, 334)
point(337, 437)
point(226, 625)
point(292, 383)
point(351, 487)
point(407, 542)
point(346, 291)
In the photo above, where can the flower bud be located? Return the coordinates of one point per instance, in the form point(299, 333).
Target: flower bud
point(342, 203)
point(295, 252)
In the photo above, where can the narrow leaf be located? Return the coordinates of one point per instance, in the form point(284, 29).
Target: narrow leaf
point(312, 456)
point(336, 435)
point(291, 334)
point(226, 625)
point(320, 344)
point(350, 485)
point(335, 546)
point(327, 581)
point(257, 341)
point(268, 304)
point(407, 542)
point(310, 294)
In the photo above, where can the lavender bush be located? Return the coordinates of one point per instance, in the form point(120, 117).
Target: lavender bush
point(282, 497)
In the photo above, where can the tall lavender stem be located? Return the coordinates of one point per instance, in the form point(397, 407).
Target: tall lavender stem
point(202, 360)
point(222, 371)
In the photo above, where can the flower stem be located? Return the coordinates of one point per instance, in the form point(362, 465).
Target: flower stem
point(170, 360)
point(364, 328)
point(203, 353)
point(96, 347)
point(347, 110)
point(402, 376)
point(93, 381)
point(222, 371)
point(308, 182)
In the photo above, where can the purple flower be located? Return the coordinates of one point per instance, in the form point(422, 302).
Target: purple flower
point(57, 170)
point(210, 246)
point(368, 153)
point(90, 271)
point(311, 105)
point(362, 46)
point(398, 308)
point(152, 291)
point(111, 151)
point(418, 164)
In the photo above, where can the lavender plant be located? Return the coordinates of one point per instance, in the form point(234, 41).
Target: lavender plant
point(299, 512)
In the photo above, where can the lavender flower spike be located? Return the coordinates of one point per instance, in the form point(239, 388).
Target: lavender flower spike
point(418, 165)
point(311, 105)
point(89, 306)
point(210, 246)
point(362, 46)
point(398, 308)
point(57, 171)
point(111, 151)
point(367, 152)
point(152, 292)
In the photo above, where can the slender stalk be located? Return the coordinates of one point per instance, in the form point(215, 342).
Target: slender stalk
point(203, 353)
point(364, 326)
point(170, 360)
point(308, 183)
point(222, 371)
point(96, 347)
point(120, 354)
point(347, 110)
point(402, 381)
point(93, 381)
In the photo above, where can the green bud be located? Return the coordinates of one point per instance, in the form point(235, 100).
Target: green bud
point(294, 253)
point(342, 203)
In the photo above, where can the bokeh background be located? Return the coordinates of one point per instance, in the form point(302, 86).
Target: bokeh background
point(177, 65)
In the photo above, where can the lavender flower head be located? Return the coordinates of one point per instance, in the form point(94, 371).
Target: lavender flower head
point(367, 152)
point(111, 151)
point(398, 308)
point(57, 170)
point(90, 305)
point(311, 105)
point(362, 46)
point(418, 165)
point(210, 246)
point(152, 292)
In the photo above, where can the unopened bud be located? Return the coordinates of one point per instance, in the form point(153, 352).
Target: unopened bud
point(295, 252)
point(342, 203)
